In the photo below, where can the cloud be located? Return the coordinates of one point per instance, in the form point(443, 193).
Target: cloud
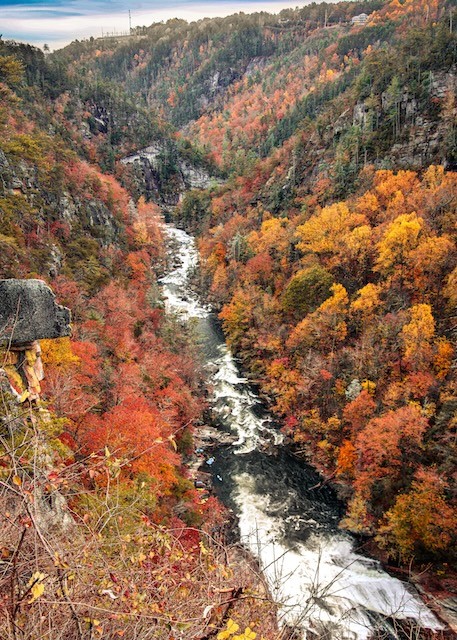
point(58, 23)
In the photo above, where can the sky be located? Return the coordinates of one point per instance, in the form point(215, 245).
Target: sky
point(58, 22)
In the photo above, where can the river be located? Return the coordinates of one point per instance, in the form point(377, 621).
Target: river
point(324, 586)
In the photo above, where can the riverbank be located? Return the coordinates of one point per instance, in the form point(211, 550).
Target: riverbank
point(436, 585)
point(287, 516)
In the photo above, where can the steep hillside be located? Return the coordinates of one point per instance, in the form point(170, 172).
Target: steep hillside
point(59, 134)
point(184, 69)
point(103, 533)
point(331, 246)
point(250, 81)
point(333, 258)
point(328, 245)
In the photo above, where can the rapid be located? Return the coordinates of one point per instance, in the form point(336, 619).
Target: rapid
point(287, 517)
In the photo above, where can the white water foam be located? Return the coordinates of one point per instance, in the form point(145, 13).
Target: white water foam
point(229, 389)
point(323, 586)
point(175, 283)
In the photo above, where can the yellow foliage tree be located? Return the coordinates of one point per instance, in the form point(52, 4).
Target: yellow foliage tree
point(368, 300)
point(400, 238)
point(326, 232)
point(368, 205)
point(273, 234)
point(417, 336)
point(58, 353)
point(357, 517)
point(430, 261)
point(443, 359)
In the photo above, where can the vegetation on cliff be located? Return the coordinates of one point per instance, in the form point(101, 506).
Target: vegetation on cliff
point(334, 263)
point(329, 251)
point(103, 532)
point(331, 247)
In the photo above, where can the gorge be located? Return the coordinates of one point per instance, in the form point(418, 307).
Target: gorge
point(286, 518)
point(288, 340)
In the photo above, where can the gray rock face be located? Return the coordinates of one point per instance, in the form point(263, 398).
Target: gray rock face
point(146, 164)
point(29, 312)
point(423, 137)
point(194, 178)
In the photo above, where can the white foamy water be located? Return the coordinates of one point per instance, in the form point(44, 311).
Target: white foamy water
point(322, 584)
point(175, 283)
point(231, 391)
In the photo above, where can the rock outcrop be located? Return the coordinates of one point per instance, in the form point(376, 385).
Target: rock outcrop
point(421, 135)
point(148, 166)
point(28, 312)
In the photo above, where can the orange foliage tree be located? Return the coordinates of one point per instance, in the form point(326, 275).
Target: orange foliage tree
point(422, 521)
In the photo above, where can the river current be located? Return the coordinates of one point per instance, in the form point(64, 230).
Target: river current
point(287, 518)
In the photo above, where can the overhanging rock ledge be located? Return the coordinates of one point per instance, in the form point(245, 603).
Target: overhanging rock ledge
point(28, 312)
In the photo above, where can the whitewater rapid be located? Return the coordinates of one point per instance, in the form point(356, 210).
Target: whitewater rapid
point(313, 570)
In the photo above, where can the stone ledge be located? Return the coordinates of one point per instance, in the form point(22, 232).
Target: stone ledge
point(28, 312)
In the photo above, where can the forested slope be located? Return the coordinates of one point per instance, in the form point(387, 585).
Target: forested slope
point(329, 251)
point(331, 247)
point(333, 258)
point(102, 531)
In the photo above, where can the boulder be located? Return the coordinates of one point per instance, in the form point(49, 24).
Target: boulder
point(28, 312)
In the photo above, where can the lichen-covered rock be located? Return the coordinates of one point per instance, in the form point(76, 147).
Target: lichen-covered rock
point(28, 312)
point(353, 390)
point(193, 177)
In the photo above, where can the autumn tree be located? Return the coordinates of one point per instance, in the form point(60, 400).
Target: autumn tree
point(368, 302)
point(326, 327)
point(347, 459)
point(328, 232)
point(237, 317)
point(357, 412)
point(422, 521)
point(388, 448)
point(417, 336)
point(306, 291)
point(399, 240)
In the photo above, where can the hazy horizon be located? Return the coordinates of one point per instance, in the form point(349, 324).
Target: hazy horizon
point(58, 22)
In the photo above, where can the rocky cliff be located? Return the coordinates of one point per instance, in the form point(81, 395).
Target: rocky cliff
point(164, 176)
point(28, 312)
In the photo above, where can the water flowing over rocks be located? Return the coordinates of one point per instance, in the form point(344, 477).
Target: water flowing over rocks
point(287, 518)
